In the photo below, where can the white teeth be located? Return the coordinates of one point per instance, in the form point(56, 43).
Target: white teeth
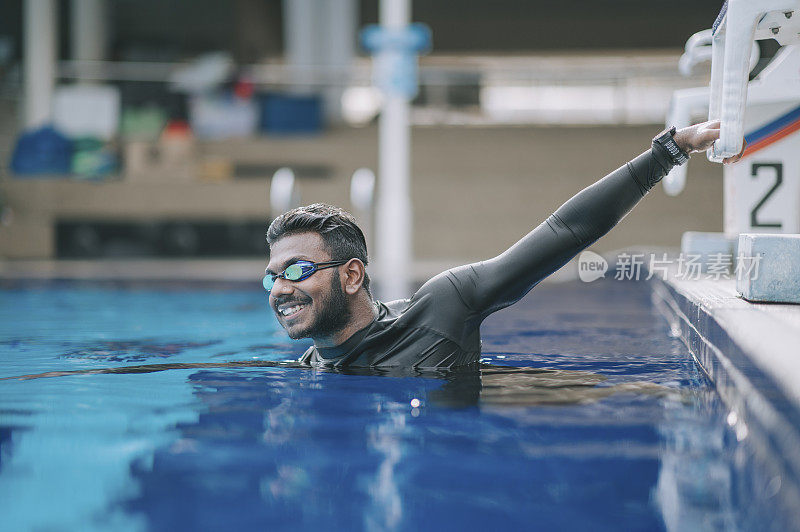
point(288, 311)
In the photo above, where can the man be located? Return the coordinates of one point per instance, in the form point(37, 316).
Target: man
point(319, 288)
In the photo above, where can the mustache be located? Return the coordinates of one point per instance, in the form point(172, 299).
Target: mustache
point(286, 299)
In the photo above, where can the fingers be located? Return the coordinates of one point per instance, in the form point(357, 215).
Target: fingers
point(702, 136)
point(696, 138)
point(735, 158)
point(710, 135)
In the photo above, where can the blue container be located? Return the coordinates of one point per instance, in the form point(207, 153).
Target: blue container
point(287, 114)
point(42, 151)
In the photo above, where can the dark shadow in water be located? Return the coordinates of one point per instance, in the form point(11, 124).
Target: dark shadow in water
point(6, 441)
point(132, 350)
point(484, 384)
point(152, 368)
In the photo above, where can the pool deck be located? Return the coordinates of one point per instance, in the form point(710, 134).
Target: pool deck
point(751, 351)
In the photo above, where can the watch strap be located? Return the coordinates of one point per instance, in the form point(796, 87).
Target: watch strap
point(666, 150)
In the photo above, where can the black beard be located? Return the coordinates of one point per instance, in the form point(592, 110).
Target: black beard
point(334, 313)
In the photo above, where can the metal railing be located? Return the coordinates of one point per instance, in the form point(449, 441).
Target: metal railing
point(626, 88)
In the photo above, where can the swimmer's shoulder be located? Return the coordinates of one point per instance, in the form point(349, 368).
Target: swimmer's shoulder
point(391, 309)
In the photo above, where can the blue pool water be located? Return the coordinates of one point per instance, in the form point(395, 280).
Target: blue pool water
point(585, 414)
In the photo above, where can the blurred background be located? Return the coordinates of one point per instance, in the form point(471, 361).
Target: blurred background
point(153, 128)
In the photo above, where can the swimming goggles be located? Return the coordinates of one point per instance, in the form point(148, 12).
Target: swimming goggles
point(298, 271)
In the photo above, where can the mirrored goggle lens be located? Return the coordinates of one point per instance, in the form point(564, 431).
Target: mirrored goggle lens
point(295, 272)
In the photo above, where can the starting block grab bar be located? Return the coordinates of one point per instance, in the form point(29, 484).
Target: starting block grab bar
point(686, 104)
point(740, 23)
point(698, 50)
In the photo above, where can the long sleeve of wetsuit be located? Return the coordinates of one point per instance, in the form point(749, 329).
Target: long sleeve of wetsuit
point(490, 285)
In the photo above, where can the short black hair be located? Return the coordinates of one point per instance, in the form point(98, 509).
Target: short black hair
point(337, 227)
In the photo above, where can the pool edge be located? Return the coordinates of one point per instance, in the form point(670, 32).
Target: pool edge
point(759, 406)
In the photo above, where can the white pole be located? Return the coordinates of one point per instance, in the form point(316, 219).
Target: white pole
point(337, 25)
point(362, 193)
point(39, 60)
point(88, 30)
point(393, 242)
point(283, 193)
point(300, 30)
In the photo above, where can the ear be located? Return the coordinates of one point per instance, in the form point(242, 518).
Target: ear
point(354, 271)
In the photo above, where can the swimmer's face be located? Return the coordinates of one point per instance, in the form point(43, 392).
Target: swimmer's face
point(315, 307)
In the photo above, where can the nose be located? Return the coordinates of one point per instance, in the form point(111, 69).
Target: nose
point(281, 287)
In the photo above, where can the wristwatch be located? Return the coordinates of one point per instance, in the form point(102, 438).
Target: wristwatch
point(665, 143)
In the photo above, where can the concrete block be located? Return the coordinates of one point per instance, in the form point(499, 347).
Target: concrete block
point(708, 244)
point(768, 267)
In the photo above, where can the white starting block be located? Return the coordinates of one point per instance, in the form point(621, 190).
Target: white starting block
point(709, 248)
point(762, 191)
point(740, 23)
point(769, 268)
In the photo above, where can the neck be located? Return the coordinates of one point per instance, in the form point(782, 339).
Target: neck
point(363, 312)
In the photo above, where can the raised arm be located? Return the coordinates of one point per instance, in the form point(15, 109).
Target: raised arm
point(492, 284)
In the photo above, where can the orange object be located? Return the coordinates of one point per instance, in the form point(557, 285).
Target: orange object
point(177, 128)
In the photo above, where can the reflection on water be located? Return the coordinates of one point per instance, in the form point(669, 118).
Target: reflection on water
point(512, 386)
point(386, 509)
point(695, 484)
point(336, 450)
point(275, 446)
point(486, 384)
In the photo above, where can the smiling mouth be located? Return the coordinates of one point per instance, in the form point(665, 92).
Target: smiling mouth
point(291, 309)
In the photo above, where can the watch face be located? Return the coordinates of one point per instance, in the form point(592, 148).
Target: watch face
point(665, 135)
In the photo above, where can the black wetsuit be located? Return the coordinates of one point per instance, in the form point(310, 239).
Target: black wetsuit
point(439, 326)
